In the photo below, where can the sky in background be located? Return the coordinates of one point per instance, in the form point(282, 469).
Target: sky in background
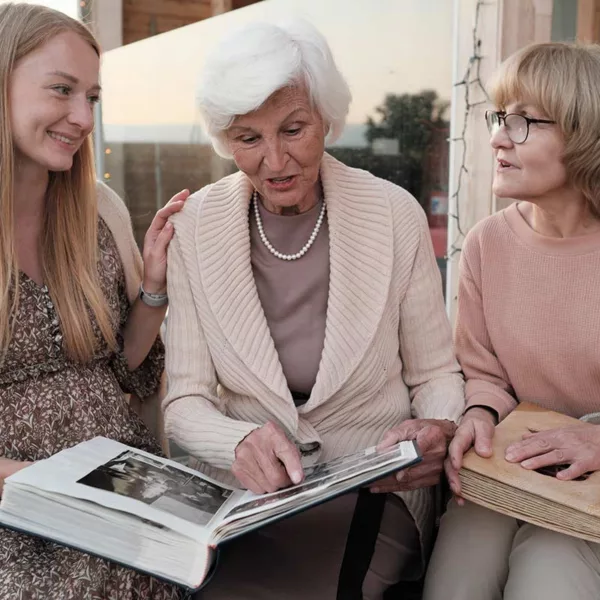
point(381, 46)
point(70, 7)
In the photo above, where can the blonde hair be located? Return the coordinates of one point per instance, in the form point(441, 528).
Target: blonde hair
point(69, 238)
point(563, 81)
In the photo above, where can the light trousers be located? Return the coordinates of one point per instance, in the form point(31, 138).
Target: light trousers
point(482, 555)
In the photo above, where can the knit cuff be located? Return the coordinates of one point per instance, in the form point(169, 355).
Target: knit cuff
point(205, 432)
point(495, 399)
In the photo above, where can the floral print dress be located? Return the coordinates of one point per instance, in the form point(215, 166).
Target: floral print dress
point(48, 403)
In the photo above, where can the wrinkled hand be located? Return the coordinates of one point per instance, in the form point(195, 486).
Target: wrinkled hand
point(156, 242)
point(266, 460)
point(577, 446)
point(8, 467)
point(432, 437)
point(476, 429)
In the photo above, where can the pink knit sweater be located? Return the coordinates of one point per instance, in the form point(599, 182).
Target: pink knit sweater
point(528, 324)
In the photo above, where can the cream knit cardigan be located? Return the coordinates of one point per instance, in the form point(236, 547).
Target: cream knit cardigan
point(387, 353)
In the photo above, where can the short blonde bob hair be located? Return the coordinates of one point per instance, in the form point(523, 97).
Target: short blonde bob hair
point(254, 62)
point(563, 81)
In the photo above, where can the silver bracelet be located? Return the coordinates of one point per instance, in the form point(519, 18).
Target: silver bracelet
point(153, 300)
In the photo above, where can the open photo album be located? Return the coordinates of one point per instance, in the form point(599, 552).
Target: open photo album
point(158, 516)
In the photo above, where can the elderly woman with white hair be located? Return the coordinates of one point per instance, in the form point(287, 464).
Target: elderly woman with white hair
point(306, 312)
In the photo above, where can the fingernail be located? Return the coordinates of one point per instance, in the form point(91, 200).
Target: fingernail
point(169, 225)
point(509, 456)
point(296, 477)
point(401, 476)
point(526, 464)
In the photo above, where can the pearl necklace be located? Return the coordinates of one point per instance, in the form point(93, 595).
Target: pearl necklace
point(268, 245)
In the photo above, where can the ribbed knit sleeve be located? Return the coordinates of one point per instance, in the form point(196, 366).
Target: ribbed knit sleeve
point(430, 369)
point(487, 381)
point(194, 413)
point(116, 216)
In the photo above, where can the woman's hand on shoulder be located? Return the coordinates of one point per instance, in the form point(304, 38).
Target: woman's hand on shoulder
point(476, 430)
point(156, 242)
point(266, 460)
point(577, 446)
point(9, 467)
point(432, 437)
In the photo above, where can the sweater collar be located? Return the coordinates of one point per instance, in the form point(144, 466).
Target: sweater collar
point(361, 257)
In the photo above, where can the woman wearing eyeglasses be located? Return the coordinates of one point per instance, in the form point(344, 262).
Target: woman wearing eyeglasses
point(528, 326)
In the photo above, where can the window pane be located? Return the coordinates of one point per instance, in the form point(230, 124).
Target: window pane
point(395, 54)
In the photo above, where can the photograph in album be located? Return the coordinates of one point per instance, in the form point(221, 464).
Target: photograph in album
point(136, 476)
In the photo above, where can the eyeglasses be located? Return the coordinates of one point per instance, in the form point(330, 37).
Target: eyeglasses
point(517, 126)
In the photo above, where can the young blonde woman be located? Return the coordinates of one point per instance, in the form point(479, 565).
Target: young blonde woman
point(75, 332)
point(528, 326)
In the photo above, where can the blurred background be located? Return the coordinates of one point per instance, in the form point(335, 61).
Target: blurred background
point(416, 68)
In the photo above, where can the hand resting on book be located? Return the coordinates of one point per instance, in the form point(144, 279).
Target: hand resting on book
point(432, 437)
point(476, 429)
point(8, 467)
point(577, 446)
point(266, 460)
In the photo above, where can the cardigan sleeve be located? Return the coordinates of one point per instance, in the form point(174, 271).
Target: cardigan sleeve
point(194, 413)
point(430, 369)
point(113, 211)
point(487, 381)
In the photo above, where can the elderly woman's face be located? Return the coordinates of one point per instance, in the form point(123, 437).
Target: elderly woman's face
point(534, 169)
point(280, 147)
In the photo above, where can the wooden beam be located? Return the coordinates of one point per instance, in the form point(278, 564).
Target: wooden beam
point(524, 22)
point(144, 18)
point(221, 6)
point(588, 21)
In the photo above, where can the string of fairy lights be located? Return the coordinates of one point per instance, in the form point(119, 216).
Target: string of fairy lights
point(470, 82)
point(86, 15)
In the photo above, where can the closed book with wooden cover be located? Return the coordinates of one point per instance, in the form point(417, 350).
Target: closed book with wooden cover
point(570, 507)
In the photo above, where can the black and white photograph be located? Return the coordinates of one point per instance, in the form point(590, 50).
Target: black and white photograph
point(359, 461)
point(328, 473)
point(160, 486)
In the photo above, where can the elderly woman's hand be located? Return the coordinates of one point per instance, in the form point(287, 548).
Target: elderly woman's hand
point(476, 429)
point(577, 446)
point(266, 460)
point(432, 437)
point(156, 242)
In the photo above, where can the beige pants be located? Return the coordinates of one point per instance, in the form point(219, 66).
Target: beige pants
point(482, 555)
point(300, 558)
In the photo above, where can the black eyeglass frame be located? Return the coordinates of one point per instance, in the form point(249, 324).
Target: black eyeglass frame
point(501, 116)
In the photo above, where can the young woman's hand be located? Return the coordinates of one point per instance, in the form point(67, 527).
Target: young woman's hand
point(8, 467)
point(156, 242)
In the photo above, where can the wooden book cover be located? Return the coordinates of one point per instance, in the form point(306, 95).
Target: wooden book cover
point(571, 507)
